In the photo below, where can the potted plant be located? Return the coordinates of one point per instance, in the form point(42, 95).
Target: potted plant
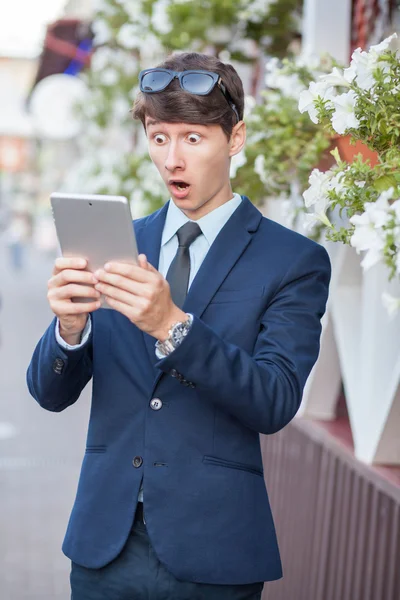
point(361, 103)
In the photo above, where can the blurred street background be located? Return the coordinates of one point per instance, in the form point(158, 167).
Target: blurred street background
point(40, 452)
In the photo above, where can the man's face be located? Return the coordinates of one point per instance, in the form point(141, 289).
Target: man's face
point(194, 162)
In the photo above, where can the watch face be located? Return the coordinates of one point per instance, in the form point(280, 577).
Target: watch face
point(178, 332)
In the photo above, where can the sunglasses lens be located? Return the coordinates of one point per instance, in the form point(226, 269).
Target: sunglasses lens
point(155, 81)
point(197, 83)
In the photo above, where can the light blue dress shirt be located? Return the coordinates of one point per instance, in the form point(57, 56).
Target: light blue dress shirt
point(210, 225)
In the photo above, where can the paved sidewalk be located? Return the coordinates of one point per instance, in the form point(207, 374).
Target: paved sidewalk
point(40, 452)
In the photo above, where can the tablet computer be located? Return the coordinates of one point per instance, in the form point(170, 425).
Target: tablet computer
point(95, 227)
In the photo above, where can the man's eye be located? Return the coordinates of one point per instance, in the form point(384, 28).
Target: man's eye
point(193, 137)
point(159, 138)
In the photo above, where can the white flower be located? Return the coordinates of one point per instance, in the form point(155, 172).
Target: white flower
point(289, 85)
point(151, 50)
point(224, 56)
point(369, 234)
point(396, 209)
point(391, 304)
point(159, 18)
point(384, 198)
point(101, 58)
point(131, 7)
point(308, 98)
point(320, 184)
point(334, 79)
point(121, 108)
point(259, 168)
point(361, 70)
point(383, 46)
point(245, 46)
point(130, 65)
point(128, 36)
point(317, 196)
point(109, 76)
point(272, 65)
point(311, 61)
point(309, 221)
point(344, 117)
point(276, 78)
point(219, 35)
point(249, 104)
point(150, 180)
point(255, 11)
point(102, 32)
point(363, 64)
point(105, 7)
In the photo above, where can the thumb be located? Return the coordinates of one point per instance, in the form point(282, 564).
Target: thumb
point(142, 261)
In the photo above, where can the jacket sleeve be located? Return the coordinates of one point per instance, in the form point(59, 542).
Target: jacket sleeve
point(56, 376)
point(262, 390)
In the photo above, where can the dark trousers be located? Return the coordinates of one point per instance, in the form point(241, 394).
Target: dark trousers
point(137, 574)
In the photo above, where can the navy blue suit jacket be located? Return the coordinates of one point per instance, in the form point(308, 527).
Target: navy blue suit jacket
point(257, 302)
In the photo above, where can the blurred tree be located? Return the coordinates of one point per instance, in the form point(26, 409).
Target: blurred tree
point(130, 35)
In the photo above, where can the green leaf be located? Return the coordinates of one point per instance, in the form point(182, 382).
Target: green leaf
point(336, 155)
point(384, 183)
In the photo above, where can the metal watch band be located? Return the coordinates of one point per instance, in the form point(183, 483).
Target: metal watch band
point(169, 345)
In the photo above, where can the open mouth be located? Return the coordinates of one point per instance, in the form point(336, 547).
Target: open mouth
point(179, 187)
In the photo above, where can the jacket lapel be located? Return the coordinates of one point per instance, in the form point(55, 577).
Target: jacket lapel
point(226, 250)
point(148, 235)
point(148, 239)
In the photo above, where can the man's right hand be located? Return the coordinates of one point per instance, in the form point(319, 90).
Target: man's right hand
point(70, 280)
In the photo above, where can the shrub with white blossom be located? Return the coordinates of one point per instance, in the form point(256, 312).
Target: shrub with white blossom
point(362, 102)
point(282, 145)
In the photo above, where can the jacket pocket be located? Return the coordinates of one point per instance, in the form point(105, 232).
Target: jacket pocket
point(95, 449)
point(231, 464)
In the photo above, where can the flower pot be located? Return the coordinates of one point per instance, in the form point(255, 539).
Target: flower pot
point(348, 151)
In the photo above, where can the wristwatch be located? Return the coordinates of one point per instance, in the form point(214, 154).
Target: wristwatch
point(176, 334)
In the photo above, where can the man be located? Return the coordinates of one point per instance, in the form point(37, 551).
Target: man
point(188, 369)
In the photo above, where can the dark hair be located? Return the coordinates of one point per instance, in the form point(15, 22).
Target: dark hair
point(175, 105)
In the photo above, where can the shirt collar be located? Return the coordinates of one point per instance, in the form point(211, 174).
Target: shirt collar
point(210, 225)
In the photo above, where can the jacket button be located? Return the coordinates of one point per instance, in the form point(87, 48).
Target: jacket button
point(156, 404)
point(137, 462)
point(58, 366)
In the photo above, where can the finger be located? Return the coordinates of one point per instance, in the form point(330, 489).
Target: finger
point(116, 293)
point(121, 307)
point(131, 312)
point(72, 276)
point(150, 268)
point(142, 260)
point(123, 283)
point(64, 307)
point(63, 262)
point(73, 290)
point(134, 272)
point(144, 263)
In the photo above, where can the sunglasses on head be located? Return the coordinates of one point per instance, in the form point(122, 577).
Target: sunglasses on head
point(200, 83)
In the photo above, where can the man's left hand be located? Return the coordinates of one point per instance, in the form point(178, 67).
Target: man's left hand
point(140, 293)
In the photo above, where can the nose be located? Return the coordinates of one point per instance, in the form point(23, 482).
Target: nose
point(174, 159)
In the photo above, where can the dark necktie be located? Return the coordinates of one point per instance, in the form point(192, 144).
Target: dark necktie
point(179, 271)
